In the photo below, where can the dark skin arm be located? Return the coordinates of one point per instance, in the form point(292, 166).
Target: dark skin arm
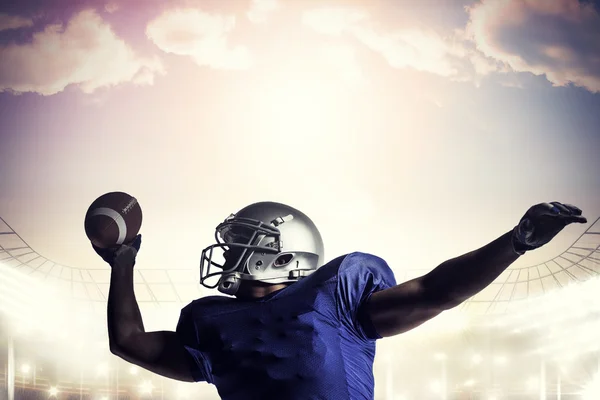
point(408, 305)
point(159, 352)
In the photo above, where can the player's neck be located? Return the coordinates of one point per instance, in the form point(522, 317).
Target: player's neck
point(259, 291)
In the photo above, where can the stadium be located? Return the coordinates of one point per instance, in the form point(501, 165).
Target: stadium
point(531, 334)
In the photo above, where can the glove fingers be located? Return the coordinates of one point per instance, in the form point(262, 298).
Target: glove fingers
point(106, 254)
point(575, 210)
point(575, 219)
point(561, 208)
point(569, 213)
point(137, 242)
point(549, 209)
point(125, 249)
point(125, 255)
point(542, 222)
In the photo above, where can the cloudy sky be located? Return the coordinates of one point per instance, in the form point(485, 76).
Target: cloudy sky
point(416, 131)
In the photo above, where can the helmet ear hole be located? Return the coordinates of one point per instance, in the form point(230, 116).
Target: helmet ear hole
point(282, 260)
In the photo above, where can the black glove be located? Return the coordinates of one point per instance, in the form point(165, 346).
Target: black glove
point(541, 223)
point(120, 253)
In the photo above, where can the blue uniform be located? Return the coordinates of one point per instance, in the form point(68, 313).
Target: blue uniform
point(307, 341)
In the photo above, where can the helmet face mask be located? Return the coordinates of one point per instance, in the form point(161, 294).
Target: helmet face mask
point(253, 241)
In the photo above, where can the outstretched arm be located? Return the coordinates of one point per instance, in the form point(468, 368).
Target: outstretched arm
point(408, 305)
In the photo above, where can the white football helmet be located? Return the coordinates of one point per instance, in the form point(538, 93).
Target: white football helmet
point(268, 242)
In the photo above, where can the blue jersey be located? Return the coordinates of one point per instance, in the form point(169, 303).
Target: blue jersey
point(310, 340)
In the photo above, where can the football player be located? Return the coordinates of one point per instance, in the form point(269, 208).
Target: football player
point(293, 328)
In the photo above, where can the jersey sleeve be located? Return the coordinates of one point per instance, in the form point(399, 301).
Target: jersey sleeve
point(359, 276)
point(188, 334)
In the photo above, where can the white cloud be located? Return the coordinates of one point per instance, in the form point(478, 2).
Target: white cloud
point(333, 21)
point(413, 48)
point(260, 10)
point(85, 52)
point(14, 22)
point(199, 35)
point(559, 39)
point(343, 59)
point(483, 65)
point(511, 81)
point(423, 51)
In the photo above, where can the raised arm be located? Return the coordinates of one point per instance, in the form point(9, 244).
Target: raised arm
point(408, 305)
point(159, 352)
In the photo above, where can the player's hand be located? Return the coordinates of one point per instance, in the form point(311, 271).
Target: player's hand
point(123, 254)
point(541, 223)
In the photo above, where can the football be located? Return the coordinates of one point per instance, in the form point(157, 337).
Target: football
point(113, 219)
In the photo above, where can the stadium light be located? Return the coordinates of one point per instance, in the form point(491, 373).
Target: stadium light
point(435, 387)
point(562, 368)
point(102, 369)
point(500, 360)
point(532, 383)
point(25, 368)
point(592, 390)
point(146, 387)
point(53, 391)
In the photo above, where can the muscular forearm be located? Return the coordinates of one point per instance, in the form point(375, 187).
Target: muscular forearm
point(160, 352)
point(457, 279)
point(124, 317)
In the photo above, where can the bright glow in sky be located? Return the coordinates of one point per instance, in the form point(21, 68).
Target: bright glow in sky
point(411, 131)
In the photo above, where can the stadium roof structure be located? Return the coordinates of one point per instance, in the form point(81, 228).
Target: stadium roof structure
point(153, 287)
point(578, 263)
